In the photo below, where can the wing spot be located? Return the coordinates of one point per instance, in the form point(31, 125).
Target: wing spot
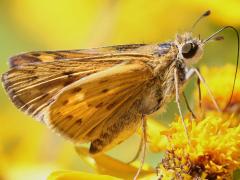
point(105, 90)
point(112, 105)
point(103, 81)
point(30, 59)
point(99, 105)
point(33, 78)
point(36, 54)
point(76, 90)
point(67, 73)
point(58, 113)
point(79, 121)
point(65, 102)
point(67, 83)
point(69, 117)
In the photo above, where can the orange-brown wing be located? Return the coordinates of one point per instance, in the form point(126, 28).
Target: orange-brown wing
point(50, 56)
point(85, 104)
point(31, 85)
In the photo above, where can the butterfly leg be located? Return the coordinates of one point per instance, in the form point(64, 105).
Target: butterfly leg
point(144, 144)
point(138, 152)
point(188, 106)
point(178, 102)
point(193, 71)
point(199, 92)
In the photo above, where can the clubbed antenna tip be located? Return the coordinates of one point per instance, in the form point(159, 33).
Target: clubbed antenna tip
point(207, 13)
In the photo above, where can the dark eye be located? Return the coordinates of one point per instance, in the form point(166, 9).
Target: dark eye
point(189, 50)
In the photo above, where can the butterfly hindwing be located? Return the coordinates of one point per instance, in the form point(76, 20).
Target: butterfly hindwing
point(80, 108)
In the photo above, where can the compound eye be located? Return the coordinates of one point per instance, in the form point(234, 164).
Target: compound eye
point(189, 50)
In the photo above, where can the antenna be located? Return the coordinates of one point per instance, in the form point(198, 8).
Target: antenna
point(236, 70)
point(205, 14)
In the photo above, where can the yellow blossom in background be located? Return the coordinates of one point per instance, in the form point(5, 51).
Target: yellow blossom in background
point(227, 12)
point(87, 24)
point(220, 81)
point(74, 24)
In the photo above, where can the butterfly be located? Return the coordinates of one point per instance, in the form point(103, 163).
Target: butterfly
point(102, 95)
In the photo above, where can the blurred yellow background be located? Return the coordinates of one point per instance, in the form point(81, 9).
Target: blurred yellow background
point(28, 149)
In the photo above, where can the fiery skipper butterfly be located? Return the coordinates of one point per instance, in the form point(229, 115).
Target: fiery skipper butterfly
point(101, 95)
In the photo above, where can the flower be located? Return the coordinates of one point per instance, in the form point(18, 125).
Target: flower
point(213, 152)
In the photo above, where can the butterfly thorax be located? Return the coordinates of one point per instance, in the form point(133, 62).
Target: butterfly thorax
point(171, 59)
point(161, 89)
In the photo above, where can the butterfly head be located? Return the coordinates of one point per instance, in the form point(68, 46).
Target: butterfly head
point(190, 49)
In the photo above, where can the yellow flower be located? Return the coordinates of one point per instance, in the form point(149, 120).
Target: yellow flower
point(213, 152)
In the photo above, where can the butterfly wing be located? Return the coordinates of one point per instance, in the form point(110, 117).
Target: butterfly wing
point(50, 56)
point(83, 94)
point(81, 108)
point(31, 85)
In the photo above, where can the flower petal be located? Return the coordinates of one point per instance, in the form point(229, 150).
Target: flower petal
point(105, 164)
point(76, 175)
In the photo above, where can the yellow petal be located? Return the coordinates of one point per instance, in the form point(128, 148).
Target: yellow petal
point(105, 164)
point(75, 175)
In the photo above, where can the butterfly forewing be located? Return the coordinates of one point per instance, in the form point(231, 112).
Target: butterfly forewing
point(31, 85)
point(50, 56)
